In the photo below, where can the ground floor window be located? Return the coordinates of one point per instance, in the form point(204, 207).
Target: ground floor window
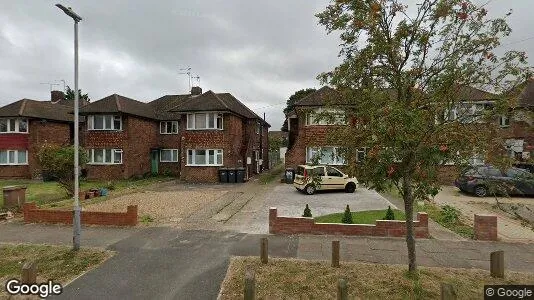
point(168, 155)
point(13, 157)
point(324, 155)
point(105, 156)
point(204, 157)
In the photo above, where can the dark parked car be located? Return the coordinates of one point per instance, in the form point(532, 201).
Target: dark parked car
point(484, 180)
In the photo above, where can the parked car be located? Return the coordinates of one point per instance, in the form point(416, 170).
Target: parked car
point(309, 179)
point(525, 166)
point(482, 180)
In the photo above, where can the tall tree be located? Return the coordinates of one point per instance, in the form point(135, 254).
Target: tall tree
point(291, 102)
point(404, 71)
point(69, 95)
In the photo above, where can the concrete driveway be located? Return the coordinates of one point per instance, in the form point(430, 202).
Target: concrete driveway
point(254, 216)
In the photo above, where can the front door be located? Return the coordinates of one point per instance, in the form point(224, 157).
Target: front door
point(154, 159)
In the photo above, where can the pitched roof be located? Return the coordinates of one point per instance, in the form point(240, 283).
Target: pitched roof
point(465, 92)
point(210, 101)
point(37, 109)
point(162, 105)
point(70, 103)
point(317, 98)
point(119, 104)
point(526, 96)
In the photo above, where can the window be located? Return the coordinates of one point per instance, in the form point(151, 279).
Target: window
point(504, 121)
point(13, 125)
point(324, 156)
point(105, 156)
point(207, 157)
point(318, 171)
point(361, 153)
point(321, 116)
point(204, 121)
point(13, 157)
point(258, 128)
point(168, 127)
point(515, 147)
point(168, 155)
point(104, 122)
point(333, 172)
point(467, 112)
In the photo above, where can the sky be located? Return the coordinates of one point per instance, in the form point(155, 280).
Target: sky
point(259, 51)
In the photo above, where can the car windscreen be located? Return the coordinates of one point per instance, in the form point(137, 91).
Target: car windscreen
point(518, 173)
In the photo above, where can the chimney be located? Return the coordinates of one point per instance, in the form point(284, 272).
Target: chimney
point(196, 90)
point(55, 96)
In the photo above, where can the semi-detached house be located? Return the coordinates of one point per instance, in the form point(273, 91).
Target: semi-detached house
point(191, 136)
point(308, 136)
point(25, 126)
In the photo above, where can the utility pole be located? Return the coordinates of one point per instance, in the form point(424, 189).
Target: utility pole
point(77, 210)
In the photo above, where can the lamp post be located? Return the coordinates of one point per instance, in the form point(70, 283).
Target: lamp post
point(77, 210)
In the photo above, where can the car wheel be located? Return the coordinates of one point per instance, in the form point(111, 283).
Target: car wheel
point(350, 187)
point(310, 189)
point(481, 191)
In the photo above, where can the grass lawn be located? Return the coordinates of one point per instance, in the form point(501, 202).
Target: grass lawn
point(361, 217)
point(443, 217)
point(272, 175)
point(298, 279)
point(43, 193)
point(58, 263)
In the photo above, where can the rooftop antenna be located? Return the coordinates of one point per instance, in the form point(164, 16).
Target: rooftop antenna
point(188, 72)
point(197, 78)
point(51, 84)
point(64, 89)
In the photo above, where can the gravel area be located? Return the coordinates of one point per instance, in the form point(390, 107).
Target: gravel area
point(163, 207)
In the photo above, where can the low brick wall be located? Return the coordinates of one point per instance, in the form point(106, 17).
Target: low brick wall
point(386, 228)
point(485, 227)
point(34, 215)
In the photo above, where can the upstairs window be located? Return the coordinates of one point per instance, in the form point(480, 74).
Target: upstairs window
point(322, 116)
point(104, 122)
point(199, 121)
point(168, 127)
point(13, 125)
point(258, 128)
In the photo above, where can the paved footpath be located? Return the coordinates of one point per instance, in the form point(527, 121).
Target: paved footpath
point(172, 263)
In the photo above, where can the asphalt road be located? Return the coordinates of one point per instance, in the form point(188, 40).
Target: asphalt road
point(167, 263)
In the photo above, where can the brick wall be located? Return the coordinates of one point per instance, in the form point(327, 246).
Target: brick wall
point(34, 215)
point(385, 228)
point(447, 175)
point(39, 133)
point(171, 141)
point(485, 227)
point(136, 140)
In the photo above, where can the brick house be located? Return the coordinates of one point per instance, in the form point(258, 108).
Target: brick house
point(308, 137)
point(25, 126)
point(190, 136)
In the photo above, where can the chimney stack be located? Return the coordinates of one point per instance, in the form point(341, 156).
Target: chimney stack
point(56, 96)
point(196, 90)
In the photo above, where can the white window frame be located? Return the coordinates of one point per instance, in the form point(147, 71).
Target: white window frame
point(91, 154)
point(191, 120)
point(340, 120)
point(504, 121)
point(174, 157)
point(91, 123)
point(337, 160)
point(216, 152)
point(164, 126)
point(16, 127)
point(16, 158)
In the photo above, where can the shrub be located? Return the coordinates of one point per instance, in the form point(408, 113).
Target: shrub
point(147, 219)
point(347, 216)
point(449, 214)
point(307, 212)
point(57, 162)
point(390, 215)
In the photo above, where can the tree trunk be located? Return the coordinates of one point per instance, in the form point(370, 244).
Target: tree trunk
point(410, 236)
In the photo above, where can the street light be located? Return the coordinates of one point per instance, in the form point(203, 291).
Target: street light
point(76, 222)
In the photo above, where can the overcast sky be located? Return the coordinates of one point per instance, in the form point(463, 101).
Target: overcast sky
point(260, 51)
